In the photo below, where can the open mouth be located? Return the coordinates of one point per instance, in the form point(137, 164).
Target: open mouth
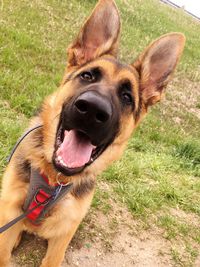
point(74, 151)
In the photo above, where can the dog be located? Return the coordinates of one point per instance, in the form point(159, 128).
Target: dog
point(81, 129)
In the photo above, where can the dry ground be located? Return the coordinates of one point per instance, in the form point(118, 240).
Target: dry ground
point(114, 238)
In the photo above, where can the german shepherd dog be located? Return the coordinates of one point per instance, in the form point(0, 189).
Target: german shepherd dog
point(86, 124)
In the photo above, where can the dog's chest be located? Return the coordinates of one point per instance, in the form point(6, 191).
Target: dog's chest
point(56, 221)
point(65, 215)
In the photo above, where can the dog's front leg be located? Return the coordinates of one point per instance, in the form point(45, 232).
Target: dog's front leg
point(10, 237)
point(75, 210)
point(56, 249)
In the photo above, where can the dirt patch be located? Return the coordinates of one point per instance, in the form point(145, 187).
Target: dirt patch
point(189, 218)
point(125, 249)
point(118, 241)
point(30, 251)
point(147, 249)
point(197, 262)
point(113, 239)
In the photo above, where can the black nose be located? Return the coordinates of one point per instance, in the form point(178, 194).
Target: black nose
point(92, 114)
point(93, 108)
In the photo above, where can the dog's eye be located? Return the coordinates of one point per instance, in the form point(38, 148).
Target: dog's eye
point(125, 93)
point(126, 98)
point(87, 76)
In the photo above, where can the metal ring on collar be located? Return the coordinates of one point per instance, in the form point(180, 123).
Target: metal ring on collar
point(60, 183)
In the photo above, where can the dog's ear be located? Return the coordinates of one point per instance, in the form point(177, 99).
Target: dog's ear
point(98, 36)
point(157, 64)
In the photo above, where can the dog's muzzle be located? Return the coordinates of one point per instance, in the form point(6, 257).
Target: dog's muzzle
point(87, 126)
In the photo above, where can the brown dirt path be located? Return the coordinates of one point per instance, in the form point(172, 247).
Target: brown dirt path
point(112, 240)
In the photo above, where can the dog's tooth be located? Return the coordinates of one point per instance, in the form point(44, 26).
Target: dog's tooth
point(59, 158)
point(62, 162)
point(92, 159)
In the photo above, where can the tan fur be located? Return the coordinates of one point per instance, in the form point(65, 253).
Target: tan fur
point(149, 76)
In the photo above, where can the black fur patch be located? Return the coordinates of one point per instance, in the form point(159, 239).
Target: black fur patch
point(37, 138)
point(83, 188)
point(23, 168)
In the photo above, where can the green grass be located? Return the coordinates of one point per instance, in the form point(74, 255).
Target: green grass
point(161, 167)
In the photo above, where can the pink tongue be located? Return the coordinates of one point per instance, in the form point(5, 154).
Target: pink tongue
point(75, 151)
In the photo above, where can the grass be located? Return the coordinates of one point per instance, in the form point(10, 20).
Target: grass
point(160, 169)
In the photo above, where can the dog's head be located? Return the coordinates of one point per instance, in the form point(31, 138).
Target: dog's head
point(89, 119)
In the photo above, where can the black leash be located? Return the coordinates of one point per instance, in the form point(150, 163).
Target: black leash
point(53, 197)
point(22, 216)
point(19, 218)
point(21, 139)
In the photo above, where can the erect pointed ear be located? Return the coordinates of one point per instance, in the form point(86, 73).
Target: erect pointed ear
point(98, 36)
point(157, 64)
